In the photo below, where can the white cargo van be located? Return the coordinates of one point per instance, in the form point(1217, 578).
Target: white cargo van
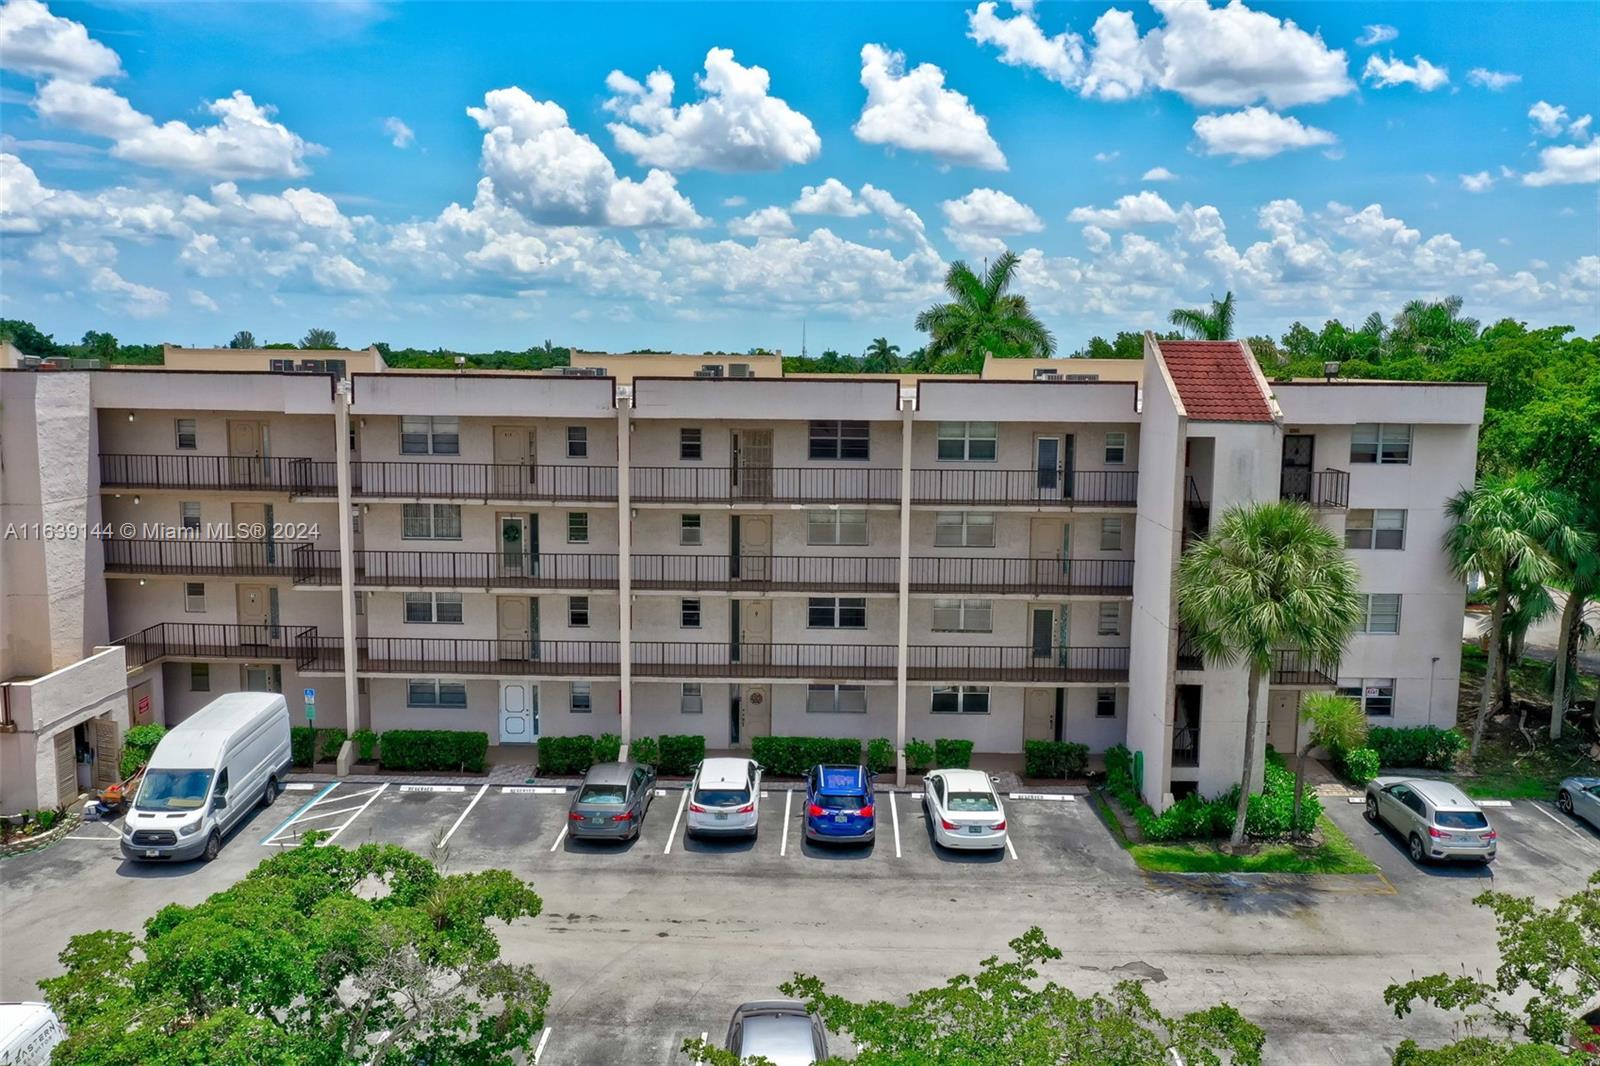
point(206, 775)
point(28, 1033)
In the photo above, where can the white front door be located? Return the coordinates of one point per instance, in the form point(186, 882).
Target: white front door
point(519, 712)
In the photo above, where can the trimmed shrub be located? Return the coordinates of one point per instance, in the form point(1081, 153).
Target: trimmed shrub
point(137, 745)
point(952, 754)
point(1055, 758)
point(329, 741)
point(366, 745)
point(645, 750)
point(1361, 765)
point(1427, 746)
point(880, 755)
point(302, 745)
point(453, 750)
point(1194, 818)
point(608, 748)
point(919, 756)
point(794, 756)
point(681, 753)
point(565, 755)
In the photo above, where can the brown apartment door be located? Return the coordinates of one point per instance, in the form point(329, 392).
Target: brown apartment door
point(107, 740)
point(246, 452)
point(752, 464)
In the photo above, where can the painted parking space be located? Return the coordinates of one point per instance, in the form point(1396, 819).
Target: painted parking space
point(333, 811)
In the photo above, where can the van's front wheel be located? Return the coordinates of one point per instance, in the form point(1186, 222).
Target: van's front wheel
point(271, 793)
point(213, 847)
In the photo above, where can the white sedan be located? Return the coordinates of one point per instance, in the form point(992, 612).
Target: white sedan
point(964, 809)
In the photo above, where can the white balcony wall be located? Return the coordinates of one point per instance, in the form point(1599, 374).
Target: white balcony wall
point(154, 430)
point(380, 438)
point(486, 396)
point(1026, 401)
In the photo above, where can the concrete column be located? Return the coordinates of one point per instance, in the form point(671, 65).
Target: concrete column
point(347, 567)
point(625, 568)
point(907, 412)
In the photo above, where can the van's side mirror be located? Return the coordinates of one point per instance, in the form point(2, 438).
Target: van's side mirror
point(219, 802)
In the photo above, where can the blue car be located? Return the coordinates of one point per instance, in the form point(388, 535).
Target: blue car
point(839, 805)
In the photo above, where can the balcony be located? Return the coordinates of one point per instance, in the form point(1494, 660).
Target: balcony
point(459, 570)
point(1054, 665)
point(942, 575)
point(448, 480)
point(1001, 488)
point(1189, 657)
point(825, 662)
point(1292, 669)
point(764, 573)
point(786, 484)
point(413, 656)
point(211, 640)
point(1322, 489)
point(233, 473)
point(207, 558)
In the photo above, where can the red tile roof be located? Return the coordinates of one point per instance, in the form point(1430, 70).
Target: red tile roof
point(1215, 381)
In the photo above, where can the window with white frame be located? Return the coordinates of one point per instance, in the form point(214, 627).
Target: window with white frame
point(189, 515)
point(1383, 529)
point(1380, 442)
point(186, 438)
point(689, 530)
point(194, 597)
point(963, 616)
point(199, 677)
point(960, 699)
point(1116, 448)
point(836, 439)
point(578, 612)
point(442, 608)
point(844, 526)
point(963, 529)
point(428, 692)
point(430, 435)
point(692, 700)
point(430, 521)
point(1111, 534)
point(836, 699)
point(689, 614)
point(578, 527)
point(1374, 695)
point(1105, 703)
point(577, 442)
point(1380, 613)
point(968, 442)
point(582, 698)
point(836, 612)
point(691, 444)
point(1110, 619)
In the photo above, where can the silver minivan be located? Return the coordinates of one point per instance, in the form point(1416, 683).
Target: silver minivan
point(725, 798)
point(1436, 818)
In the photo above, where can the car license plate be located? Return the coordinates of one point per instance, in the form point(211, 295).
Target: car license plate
point(974, 828)
point(597, 821)
point(841, 819)
point(722, 817)
point(152, 854)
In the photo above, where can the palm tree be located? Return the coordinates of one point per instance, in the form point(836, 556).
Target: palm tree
point(243, 339)
point(1432, 328)
point(1201, 324)
point(1267, 577)
point(982, 317)
point(1579, 580)
point(1506, 528)
point(881, 357)
point(319, 338)
point(1337, 726)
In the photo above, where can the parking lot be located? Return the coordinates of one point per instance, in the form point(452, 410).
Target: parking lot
point(651, 941)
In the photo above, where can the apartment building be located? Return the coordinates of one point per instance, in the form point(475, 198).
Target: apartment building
point(647, 544)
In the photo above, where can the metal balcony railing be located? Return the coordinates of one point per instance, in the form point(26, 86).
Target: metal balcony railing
point(410, 479)
point(990, 488)
point(214, 640)
point(466, 570)
point(182, 557)
point(968, 663)
point(824, 662)
point(757, 573)
point(960, 575)
point(1290, 667)
point(232, 472)
point(1323, 489)
point(411, 656)
point(1189, 657)
point(779, 484)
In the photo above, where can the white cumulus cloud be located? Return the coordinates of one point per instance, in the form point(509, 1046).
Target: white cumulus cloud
point(832, 197)
point(1482, 181)
point(1493, 80)
point(766, 222)
point(1256, 133)
point(1023, 44)
point(1136, 209)
point(912, 109)
point(1159, 174)
point(37, 43)
point(1376, 34)
point(1567, 164)
point(400, 135)
point(992, 213)
point(119, 294)
point(1419, 72)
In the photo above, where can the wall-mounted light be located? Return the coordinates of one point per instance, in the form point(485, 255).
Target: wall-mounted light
point(136, 501)
point(141, 582)
point(130, 416)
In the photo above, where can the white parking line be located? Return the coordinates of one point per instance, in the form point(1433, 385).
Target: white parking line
point(539, 1050)
point(894, 812)
point(300, 786)
point(561, 836)
point(297, 812)
point(683, 797)
point(463, 816)
point(1557, 819)
point(80, 836)
point(380, 790)
point(783, 847)
point(1011, 849)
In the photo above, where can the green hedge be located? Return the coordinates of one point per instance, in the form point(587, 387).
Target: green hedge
point(919, 756)
point(880, 755)
point(137, 746)
point(453, 750)
point(1427, 746)
point(794, 756)
point(307, 745)
point(681, 753)
point(952, 754)
point(1361, 765)
point(645, 750)
point(366, 745)
point(1193, 818)
point(1055, 759)
point(608, 748)
point(566, 755)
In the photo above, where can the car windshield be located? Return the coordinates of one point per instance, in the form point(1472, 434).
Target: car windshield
point(606, 795)
point(722, 797)
point(1461, 820)
point(173, 790)
point(841, 803)
point(971, 801)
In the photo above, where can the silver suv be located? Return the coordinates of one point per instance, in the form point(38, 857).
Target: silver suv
point(1436, 818)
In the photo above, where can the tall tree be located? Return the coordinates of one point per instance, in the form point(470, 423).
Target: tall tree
point(99, 345)
point(1505, 529)
point(881, 357)
point(1268, 577)
point(245, 339)
point(982, 317)
point(319, 338)
point(1207, 324)
point(1432, 329)
point(1578, 578)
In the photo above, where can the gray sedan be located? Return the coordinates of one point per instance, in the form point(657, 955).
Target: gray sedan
point(1580, 797)
point(611, 802)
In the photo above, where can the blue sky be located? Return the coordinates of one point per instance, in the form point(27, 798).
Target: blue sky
point(494, 175)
